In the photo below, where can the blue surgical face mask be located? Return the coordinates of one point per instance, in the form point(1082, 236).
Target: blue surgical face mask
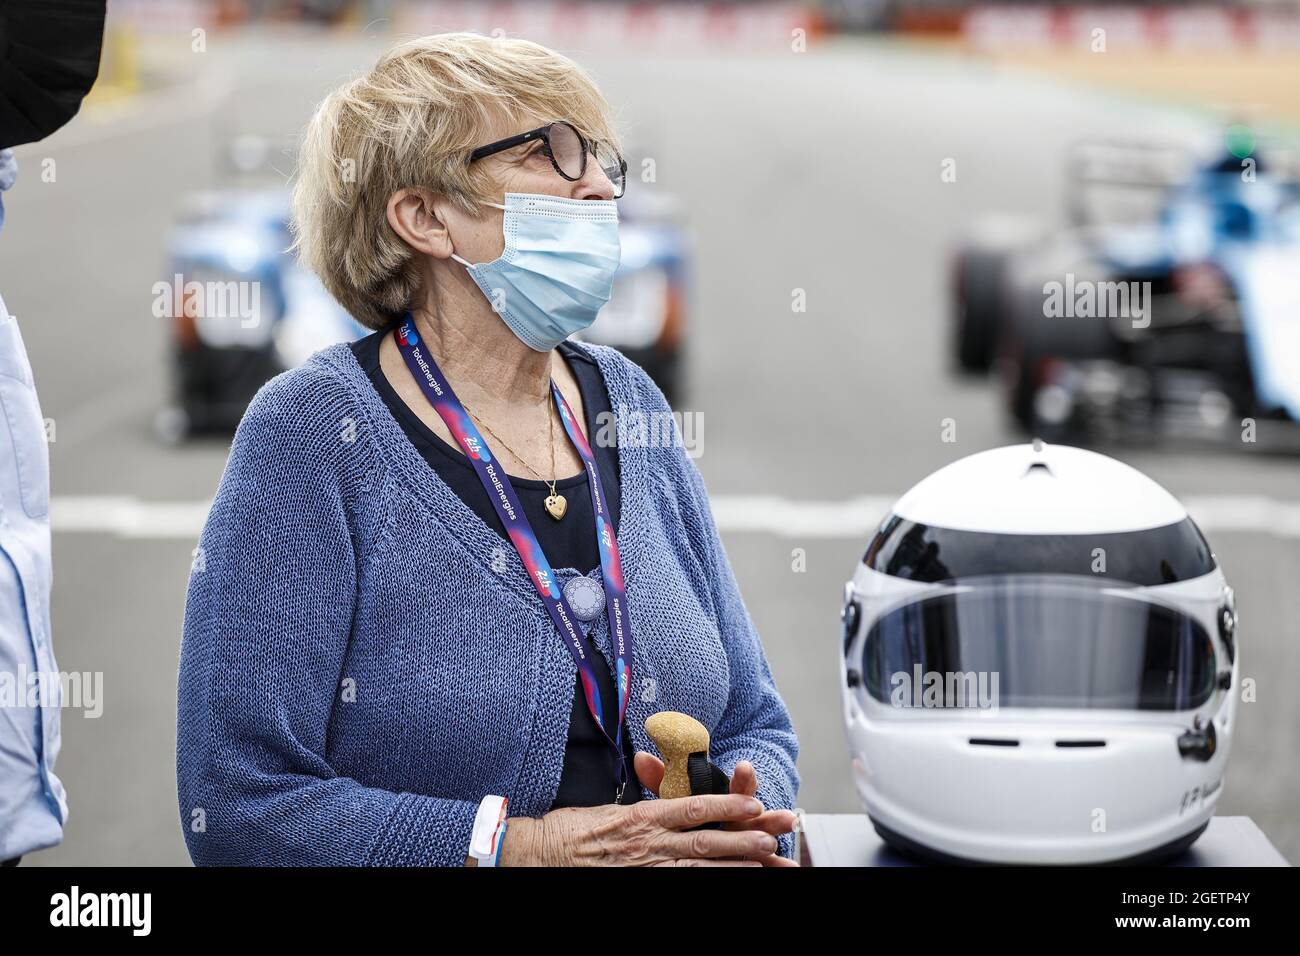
point(557, 268)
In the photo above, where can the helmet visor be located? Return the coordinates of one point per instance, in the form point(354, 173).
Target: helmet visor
point(1038, 641)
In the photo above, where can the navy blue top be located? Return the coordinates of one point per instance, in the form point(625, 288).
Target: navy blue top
point(590, 772)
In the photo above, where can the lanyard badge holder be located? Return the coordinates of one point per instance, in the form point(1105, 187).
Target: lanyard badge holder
point(502, 495)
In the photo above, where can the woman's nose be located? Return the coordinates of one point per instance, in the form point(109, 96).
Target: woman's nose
point(594, 184)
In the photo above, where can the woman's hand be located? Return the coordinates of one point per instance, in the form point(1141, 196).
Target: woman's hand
point(648, 833)
point(650, 770)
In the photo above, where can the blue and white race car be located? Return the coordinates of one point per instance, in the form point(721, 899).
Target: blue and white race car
point(243, 309)
point(1179, 316)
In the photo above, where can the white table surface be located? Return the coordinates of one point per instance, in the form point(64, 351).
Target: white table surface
point(848, 839)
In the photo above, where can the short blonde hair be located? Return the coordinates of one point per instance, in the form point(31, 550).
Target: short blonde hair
point(412, 122)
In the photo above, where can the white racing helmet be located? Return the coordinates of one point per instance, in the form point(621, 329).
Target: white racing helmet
point(1039, 657)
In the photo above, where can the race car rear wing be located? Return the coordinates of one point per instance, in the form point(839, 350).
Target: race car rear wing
point(1096, 169)
point(1136, 174)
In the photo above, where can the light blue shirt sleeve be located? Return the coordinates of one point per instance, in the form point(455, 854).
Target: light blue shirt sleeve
point(33, 805)
point(8, 173)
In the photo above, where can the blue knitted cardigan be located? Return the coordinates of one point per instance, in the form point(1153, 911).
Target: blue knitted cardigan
point(364, 658)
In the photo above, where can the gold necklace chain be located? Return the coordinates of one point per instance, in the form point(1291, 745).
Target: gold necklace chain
point(550, 418)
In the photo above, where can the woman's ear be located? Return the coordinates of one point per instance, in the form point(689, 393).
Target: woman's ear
point(414, 216)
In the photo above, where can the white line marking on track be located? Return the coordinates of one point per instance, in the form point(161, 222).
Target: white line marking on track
point(859, 517)
point(128, 517)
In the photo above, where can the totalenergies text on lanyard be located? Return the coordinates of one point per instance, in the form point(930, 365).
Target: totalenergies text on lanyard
point(502, 494)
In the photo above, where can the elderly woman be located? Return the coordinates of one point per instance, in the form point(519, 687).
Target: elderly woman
point(437, 601)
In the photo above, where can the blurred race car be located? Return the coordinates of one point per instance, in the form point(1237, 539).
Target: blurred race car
point(1169, 305)
point(246, 310)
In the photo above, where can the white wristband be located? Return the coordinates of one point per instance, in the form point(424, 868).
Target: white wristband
point(489, 828)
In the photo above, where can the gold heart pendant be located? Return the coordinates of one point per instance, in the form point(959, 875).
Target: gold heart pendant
point(556, 506)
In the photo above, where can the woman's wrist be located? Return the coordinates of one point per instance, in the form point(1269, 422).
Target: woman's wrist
point(524, 842)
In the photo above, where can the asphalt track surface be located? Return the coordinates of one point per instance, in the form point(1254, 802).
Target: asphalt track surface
point(817, 171)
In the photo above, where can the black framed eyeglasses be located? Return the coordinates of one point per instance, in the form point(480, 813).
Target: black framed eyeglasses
point(568, 150)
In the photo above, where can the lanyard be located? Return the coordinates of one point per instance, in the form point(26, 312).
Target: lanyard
point(502, 494)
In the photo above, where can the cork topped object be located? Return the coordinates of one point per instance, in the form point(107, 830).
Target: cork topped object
point(677, 736)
